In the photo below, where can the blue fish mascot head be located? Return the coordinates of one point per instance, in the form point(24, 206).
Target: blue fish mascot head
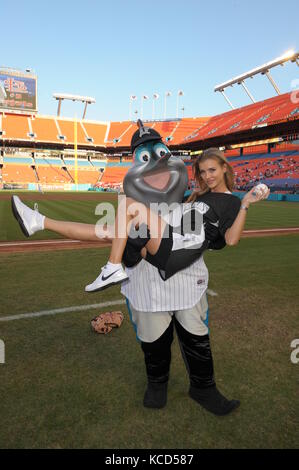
point(156, 175)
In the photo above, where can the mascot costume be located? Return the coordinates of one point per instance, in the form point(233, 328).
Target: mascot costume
point(157, 306)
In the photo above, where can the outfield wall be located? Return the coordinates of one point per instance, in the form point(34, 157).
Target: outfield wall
point(58, 187)
point(275, 197)
point(271, 197)
point(89, 187)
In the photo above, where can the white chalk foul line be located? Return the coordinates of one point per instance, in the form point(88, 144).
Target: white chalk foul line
point(79, 308)
point(211, 293)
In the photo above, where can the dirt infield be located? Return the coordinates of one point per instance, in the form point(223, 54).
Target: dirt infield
point(269, 232)
point(64, 244)
point(48, 245)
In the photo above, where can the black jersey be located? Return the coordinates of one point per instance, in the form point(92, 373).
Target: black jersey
point(188, 235)
point(218, 211)
point(223, 210)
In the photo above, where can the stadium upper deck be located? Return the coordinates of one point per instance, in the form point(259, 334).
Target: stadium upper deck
point(270, 117)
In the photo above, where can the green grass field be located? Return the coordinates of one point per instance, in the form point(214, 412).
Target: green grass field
point(81, 208)
point(63, 386)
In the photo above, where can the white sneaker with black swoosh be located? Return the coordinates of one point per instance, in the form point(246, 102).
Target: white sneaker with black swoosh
point(108, 277)
point(30, 221)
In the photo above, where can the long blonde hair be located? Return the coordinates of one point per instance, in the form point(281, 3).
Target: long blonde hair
point(217, 155)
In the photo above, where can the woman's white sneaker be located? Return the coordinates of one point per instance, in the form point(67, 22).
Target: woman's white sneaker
point(30, 221)
point(109, 276)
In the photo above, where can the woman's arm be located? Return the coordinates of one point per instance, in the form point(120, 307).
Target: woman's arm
point(233, 234)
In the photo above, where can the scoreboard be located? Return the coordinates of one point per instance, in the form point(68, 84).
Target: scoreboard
point(18, 91)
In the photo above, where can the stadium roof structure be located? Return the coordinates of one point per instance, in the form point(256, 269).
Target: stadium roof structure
point(66, 96)
point(291, 56)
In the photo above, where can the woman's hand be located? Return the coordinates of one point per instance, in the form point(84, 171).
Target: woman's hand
point(257, 193)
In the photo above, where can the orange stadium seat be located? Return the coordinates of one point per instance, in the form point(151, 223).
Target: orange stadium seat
point(165, 128)
point(277, 167)
point(187, 127)
point(67, 129)
point(175, 133)
point(232, 153)
point(267, 111)
point(285, 109)
point(45, 129)
point(247, 117)
point(52, 174)
point(86, 176)
point(286, 146)
point(15, 127)
point(114, 174)
point(172, 132)
point(255, 149)
point(95, 131)
point(12, 173)
point(120, 134)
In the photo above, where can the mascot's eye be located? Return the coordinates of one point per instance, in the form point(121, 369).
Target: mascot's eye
point(143, 156)
point(161, 150)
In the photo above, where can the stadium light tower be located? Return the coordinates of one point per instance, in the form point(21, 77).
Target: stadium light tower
point(167, 94)
point(291, 56)
point(64, 96)
point(143, 98)
point(155, 97)
point(132, 98)
point(180, 93)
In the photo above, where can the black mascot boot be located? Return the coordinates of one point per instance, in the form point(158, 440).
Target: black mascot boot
point(197, 355)
point(157, 357)
point(212, 400)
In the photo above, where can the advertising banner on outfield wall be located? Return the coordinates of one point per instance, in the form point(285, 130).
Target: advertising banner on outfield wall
point(18, 92)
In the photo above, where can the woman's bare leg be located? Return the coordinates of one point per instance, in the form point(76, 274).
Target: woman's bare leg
point(128, 210)
point(78, 231)
point(32, 221)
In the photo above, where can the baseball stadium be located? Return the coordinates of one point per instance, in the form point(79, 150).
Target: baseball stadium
point(65, 386)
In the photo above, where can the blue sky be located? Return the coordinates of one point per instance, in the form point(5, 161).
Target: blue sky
point(113, 49)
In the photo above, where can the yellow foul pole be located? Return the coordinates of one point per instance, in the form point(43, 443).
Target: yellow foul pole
point(76, 151)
